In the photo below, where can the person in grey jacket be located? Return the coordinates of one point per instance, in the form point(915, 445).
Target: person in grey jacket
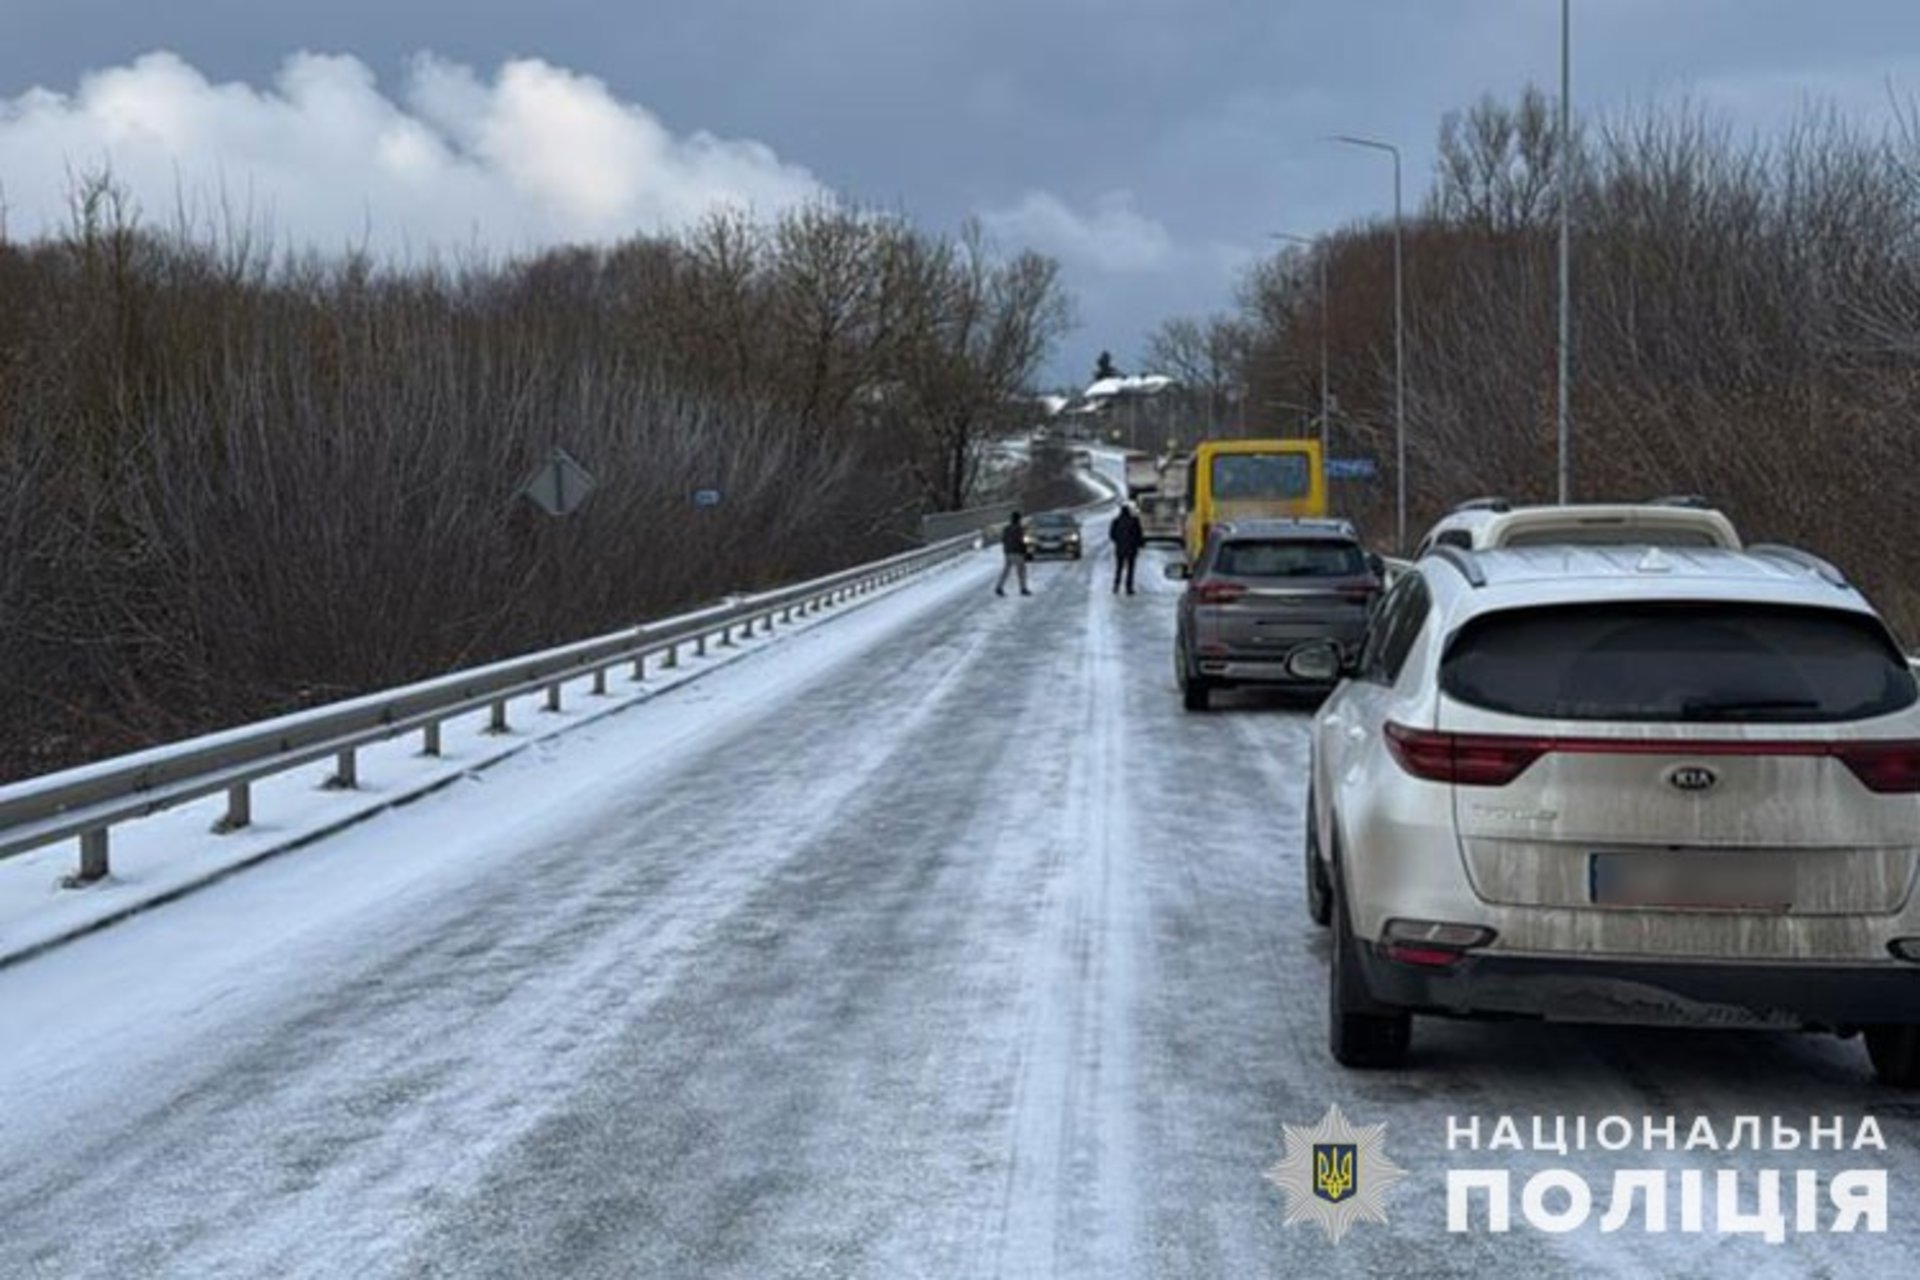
point(1013, 541)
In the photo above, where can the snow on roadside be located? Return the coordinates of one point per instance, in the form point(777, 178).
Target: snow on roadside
point(157, 858)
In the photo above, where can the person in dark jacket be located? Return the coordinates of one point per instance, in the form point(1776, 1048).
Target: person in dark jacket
point(1013, 541)
point(1128, 537)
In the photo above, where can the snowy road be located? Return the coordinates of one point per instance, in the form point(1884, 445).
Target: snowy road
point(934, 942)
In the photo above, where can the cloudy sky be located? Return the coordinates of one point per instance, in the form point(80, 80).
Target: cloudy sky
point(1149, 144)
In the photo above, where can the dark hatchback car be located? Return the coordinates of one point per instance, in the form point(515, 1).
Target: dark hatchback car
point(1053, 533)
point(1276, 602)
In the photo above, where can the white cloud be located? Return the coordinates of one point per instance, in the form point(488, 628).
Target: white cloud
point(1113, 237)
point(535, 155)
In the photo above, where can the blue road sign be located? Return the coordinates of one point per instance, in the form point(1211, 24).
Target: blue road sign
point(1351, 469)
point(706, 497)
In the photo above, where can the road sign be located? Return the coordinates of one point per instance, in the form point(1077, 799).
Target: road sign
point(1351, 469)
point(559, 485)
point(706, 497)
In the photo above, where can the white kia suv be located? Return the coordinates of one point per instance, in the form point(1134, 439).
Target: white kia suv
point(1619, 784)
point(1488, 523)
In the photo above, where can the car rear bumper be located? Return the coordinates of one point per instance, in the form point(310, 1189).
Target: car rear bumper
point(1660, 992)
point(1252, 671)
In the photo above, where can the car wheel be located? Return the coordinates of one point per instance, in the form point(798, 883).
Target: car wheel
point(1195, 693)
point(1361, 1033)
point(1319, 900)
point(1895, 1054)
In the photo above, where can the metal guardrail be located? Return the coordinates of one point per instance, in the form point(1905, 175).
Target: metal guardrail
point(89, 800)
point(990, 518)
point(941, 525)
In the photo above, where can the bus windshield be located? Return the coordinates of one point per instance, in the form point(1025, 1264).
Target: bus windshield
point(1239, 477)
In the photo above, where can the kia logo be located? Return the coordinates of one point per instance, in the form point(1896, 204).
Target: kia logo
point(1692, 777)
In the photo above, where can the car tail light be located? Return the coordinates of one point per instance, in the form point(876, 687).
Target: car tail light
point(1886, 767)
point(1466, 760)
point(1212, 592)
point(1889, 767)
point(1425, 957)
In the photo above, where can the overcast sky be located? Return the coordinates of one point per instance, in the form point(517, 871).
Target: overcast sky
point(1150, 144)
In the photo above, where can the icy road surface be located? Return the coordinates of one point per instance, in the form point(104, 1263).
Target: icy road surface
point(937, 941)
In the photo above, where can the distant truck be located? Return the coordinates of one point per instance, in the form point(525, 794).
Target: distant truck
point(1163, 512)
point(1143, 474)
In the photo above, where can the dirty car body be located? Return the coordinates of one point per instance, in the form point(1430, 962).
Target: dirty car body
point(1622, 785)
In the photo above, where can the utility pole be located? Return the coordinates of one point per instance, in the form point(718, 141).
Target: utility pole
point(1399, 338)
point(1566, 250)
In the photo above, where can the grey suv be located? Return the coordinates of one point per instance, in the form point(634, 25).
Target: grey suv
point(1273, 602)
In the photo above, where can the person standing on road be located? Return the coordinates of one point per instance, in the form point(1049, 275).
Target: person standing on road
point(1128, 537)
point(1013, 541)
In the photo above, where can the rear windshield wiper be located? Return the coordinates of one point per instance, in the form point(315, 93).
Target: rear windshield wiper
point(1724, 708)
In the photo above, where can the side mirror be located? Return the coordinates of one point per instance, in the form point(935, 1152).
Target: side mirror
point(1178, 571)
point(1375, 565)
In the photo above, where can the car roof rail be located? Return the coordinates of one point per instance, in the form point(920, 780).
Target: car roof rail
point(1484, 504)
point(1805, 559)
point(1694, 500)
point(1463, 560)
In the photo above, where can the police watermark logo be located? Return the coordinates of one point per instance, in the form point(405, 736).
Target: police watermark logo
point(1336, 1174)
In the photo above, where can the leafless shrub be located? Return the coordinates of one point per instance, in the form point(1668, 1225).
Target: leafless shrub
point(1747, 326)
point(236, 485)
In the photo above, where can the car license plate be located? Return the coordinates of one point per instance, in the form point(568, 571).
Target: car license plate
point(1693, 880)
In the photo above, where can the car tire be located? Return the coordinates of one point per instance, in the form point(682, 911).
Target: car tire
point(1894, 1051)
point(1319, 897)
point(1195, 693)
point(1361, 1033)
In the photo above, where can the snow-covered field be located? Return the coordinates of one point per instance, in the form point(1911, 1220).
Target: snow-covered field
point(933, 941)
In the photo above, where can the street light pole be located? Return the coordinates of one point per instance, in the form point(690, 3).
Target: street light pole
point(1399, 338)
point(1566, 251)
point(1325, 316)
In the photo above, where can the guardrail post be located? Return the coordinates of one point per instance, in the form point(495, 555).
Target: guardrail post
point(700, 645)
point(600, 682)
point(93, 860)
point(430, 738)
point(726, 636)
point(239, 809)
point(672, 659)
point(346, 772)
point(497, 719)
point(553, 696)
point(640, 667)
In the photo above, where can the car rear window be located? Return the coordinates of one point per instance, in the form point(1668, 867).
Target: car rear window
point(1289, 558)
point(1055, 522)
point(1679, 662)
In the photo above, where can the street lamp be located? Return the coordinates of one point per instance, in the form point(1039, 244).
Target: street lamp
point(1399, 338)
point(1321, 258)
point(1566, 240)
